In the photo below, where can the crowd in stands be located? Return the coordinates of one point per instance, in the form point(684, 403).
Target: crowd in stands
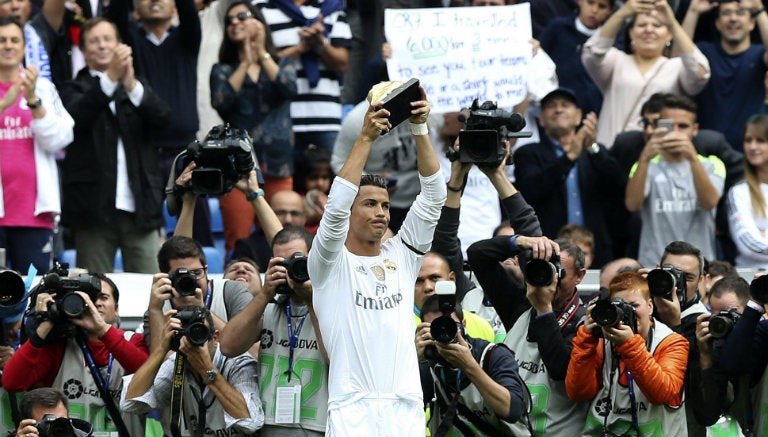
point(372, 284)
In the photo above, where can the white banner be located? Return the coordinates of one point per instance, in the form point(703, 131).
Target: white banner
point(460, 54)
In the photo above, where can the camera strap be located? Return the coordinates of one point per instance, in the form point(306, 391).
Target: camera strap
point(569, 311)
point(103, 385)
point(177, 394)
point(633, 402)
point(293, 337)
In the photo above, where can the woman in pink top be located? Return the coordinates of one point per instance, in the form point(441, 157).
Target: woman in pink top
point(33, 125)
point(628, 79)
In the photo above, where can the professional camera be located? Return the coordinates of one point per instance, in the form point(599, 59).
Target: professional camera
point(225, 156)
point(445, 328)
point(485, 129)
point(758, 289)
point(609, 312)
point(52, 426)
point(721, 324)
point(192, 326)
point(296, 266)
point(539, 272)
point(183, 281)
point(13, 296)
point(664, 281)
point(66, 303)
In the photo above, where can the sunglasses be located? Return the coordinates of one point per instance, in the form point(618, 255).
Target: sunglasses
point(241, 16)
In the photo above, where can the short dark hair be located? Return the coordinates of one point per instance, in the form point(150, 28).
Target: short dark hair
point(45, 397)
point(432, 305)
point(374, 180)
point(721, 268)
point(654, 103)
point(89, 25)
point(684, 248)
point(178, 247)
point(574, 251)
point(293, 232)
point(111, 283)
point(734, 284)
point(243, 259)
point(9, 20)
point(674, 101)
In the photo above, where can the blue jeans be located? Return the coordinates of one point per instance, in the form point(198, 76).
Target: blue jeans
point(25, 246)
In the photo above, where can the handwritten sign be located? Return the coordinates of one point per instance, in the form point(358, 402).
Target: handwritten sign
point(460, 54)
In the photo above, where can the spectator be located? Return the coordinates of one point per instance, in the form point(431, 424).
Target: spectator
point(723, 106)
point(111, 183)
point(563, 38)
point(224, 397)
point(628, 79)
point(35, 52)
point(680, 314)
point(52, 357)
point(475, 383)
point(244, 270)
point(647, 391)
point(715, 271)
point(318, 34)
point(581, 237)
point(568, 177)
point(252, 89)
point(225, 299)
point(676, 188)
point(747, 210)
point(376, 306)
point(613, 268)
point(296, 354)
point(542, 322)
point(288, 206)
point(34, 127)
point(44, 401)
point(313, 180)
point(166, 55)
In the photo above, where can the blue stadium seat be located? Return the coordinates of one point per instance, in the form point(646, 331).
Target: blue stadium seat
point(170, 221)
point(217, 223)
point(215, 259)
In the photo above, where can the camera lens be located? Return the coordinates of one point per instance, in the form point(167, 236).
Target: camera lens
point(660, 282)
point(72, 305)
point(198, 334)
point(444, 329)
point(11, 288)
point(297, 269)
point(606, 314)
point(184, 281)
point(539, 272)
point(720, 326)
point(61, 427)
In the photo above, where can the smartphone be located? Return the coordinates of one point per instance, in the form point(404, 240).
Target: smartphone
point(667, 124)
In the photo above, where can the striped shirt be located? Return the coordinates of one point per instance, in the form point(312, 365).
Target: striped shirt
point(315, 109)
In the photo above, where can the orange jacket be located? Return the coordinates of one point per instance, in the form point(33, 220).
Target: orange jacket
point(660, 376)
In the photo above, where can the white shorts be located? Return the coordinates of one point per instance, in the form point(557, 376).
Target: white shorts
point(377, 418)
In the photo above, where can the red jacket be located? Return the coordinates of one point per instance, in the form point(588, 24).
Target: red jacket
point(660, 376)
point(32, 367)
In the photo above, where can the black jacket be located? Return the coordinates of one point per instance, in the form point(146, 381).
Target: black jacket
point(89, 172)
point(540, 176)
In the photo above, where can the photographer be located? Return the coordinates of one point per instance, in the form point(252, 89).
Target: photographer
point(678, 307)
point(745, 352)
point(542, 322)
point(718, 392)
point(44, 408)
point(288, 356)
point(642, 360)
point(182, 261)
point(220, 395)
point(475, 383)
point(51, 357)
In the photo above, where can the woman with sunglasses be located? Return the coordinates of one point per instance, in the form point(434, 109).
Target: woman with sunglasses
point(251, 88)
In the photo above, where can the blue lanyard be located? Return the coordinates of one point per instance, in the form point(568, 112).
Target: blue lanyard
point(633, 402)
point(109, 370)
point(208, 298)
point(293, 337)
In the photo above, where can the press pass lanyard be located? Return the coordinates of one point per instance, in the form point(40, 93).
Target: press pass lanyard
point(293, 337)
point(633, 402)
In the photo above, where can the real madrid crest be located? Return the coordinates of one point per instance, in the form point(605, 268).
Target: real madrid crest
point(378, 272)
